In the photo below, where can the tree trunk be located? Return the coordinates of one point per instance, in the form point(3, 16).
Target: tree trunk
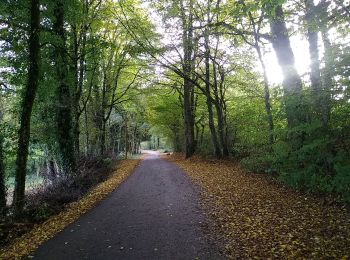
point(27, 107)
point(2, 168)
point(268, 108)
point(327, 78)
point(79, 88)
point(101, 116)
point(292, 84)
point(190, 143)
point(87, 134)
point(126, 138)
point(64, 110)
point(75, 90)
point(219, 111)
point(315, 74)
point(103, 138)
point(212, 128)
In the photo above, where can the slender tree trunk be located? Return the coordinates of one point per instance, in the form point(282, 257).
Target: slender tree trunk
point(219, 111)
point(27, 107)
point(2, 167)
point(75, 90)
point(190, 143)
point(268, 107)
point(202, 133)
point(312, 36)
point(103, 138)
point(176, 140)
point(78, 92)
point(101, 116)
point(292, 84)
point(212, 128)
point(222, 131)
point(120, 138)
point(87, 134)
point(315, 73)
point(327, 78)
point(64, 110)
point(113, 133)
point(126, 138)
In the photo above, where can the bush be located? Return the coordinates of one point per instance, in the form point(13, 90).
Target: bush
point(318, 164)
point(51, 199)
point(257, 163)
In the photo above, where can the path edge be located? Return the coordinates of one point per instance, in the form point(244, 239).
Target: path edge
point(29, 242)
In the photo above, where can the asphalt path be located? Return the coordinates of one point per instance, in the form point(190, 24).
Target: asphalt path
point(154, 214)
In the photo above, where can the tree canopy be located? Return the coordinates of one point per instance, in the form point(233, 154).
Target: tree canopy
point(103, 78)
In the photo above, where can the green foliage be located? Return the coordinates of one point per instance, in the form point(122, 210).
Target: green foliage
point(316, 166)
point(259, 163)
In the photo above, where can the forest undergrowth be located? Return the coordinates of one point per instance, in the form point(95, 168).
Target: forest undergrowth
point(256, 217)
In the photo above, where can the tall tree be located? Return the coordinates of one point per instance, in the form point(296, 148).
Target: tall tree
point(188, 49)
point(315, 72)
point(292, 84)
point(64, 97)
point(327, 74)
point(27, 106)
point(2, 166)
point(256, 27)
point(212, 127)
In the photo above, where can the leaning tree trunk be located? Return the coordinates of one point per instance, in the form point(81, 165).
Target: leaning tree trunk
point(292, 84)
point(27, 107)
point(64, 98)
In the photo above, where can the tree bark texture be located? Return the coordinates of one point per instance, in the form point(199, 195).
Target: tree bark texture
point(64, 108)
point(27, 107)
point(292, 84)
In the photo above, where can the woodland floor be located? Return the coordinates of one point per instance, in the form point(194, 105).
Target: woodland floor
point(160, 213)
point(257, 218)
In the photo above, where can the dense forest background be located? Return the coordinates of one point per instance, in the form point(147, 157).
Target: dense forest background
point(84, 79)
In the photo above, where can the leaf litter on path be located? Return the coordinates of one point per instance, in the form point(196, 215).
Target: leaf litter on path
point(256, 218)
point(27, 243)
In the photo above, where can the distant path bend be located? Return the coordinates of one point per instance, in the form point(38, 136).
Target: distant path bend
point(154, 214)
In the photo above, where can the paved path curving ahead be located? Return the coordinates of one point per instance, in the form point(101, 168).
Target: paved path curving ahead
point(154, 214)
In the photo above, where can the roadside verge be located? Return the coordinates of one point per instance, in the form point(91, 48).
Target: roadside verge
point(255, 217)
point(27, 243)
